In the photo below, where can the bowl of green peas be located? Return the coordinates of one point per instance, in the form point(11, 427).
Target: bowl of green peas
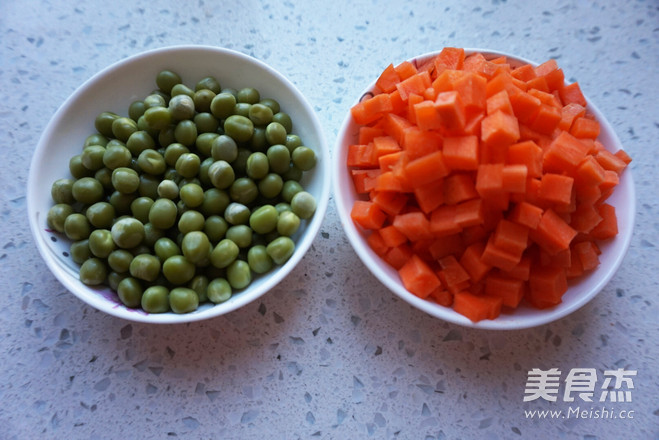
point(178, 184)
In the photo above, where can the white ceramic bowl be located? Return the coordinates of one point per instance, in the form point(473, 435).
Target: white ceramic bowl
point(579, 292)
point(113, 89)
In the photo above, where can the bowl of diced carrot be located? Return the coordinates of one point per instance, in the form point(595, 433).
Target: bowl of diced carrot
point(483, 188)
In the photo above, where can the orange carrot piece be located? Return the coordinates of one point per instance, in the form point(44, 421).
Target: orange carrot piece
point(388, 181)
point(524, 72)
point(499, 101)
point(514, 178)
point(458, 187)
point(571, 93)
point(525, 214)
point(430, 195)
point(385, 145)
point(510, 237)
point(371, 109)
point(588, 253)
point(442, 297)
point(361, 156)
point(585, 218)
point(449, 58)
point(418, 143)
point(587, 128)
point(452, 273)
point(510, 290)
point(569, 113)
point(623, 156)
point(367, 133)
point(489, 180)
point(477, 307)
point(472, 91)
point(418, 278)
point(552, 234)
point(461, 152)
point(388, 79)
point(367, 214)
point(521, 271)
point(499, 129)
point(525, 106)
point(445, 246)
point(364, 180)
point(391, 202)
point(547, 285)
point(472, 262)
point(405, 70)
point(398, 256)
point(426, 169)
point(414, 225)
point(395, 125)
point(497, 257)
point(392, 237)
point(608, 227)
point(451, 110)
point(414, 84)
point(469, 213)
point(442, 221)
point(589, 173)
point(556, 188)
point(564, 154)
point(426, 116)
point(546, 119)
point(376, 243)
point(388, 161)
point(610, 161)
point(526, 153)
point(413, 100)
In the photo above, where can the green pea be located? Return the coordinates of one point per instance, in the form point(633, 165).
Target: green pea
point(275, 133)
point(92, 157)
point(103, 123)
point(279, 158)
point(260, 114)
point(206, 123)
point(95, 139)
point(77, 227)
point(62, 191)
point(290, 188)
point(178, 270)
point(183, 300)
point(273, 104)
point(121, 202)
point(116, 156)
point(145, 267)
point(280, 249)
point(204, 142)
point(221, 174)
point(166, 247)
point(203, 172)
point(192, 195)
point(240, 164)
point(241, 235)
point(187, 165)
point(224, 148)
point(186, 132)
point(166, 136)
point(101, 243)
point(258, 259)
point(87, 190)
point(80, 251)
point(154, 100)
point(119, 260)
point(130, 292)
point(163, 214)
point(239, 275)
point(100, 214)
point(93, 272)
point(166, 79)
point(57, 215)
point(264, 219)
point(293, 173)
point(136, 109)
point(215, 228)
point(219, 290)
point(215, 202)
point(292, 142)
point(288, 223)
point(222, 105)
point(181, 107)
point(258, 142)
point(114, 279)
point(152, 234)
point(123, 127)
point(208, 83)
point(239, 128)
point(140, 208)
point(77, 169)
point(248, 95)
point(303, 204)
point(140, 141)
point(224, 253)
point(271, 185)
point(104, 176)
point(304, 158)
point(200, 285)
point(127, 232)
point(181, 89)
point(236, 213)
point(202, 99)
point(285, 120)
point(173, 152)
point(155, 299)
point(191, 221)
point(282, 207)
point(125, 180)
point(168, 189)
point(243, 190)
point(257, 165)
point(152, 162)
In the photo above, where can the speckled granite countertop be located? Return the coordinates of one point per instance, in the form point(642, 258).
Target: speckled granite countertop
point(329, 353)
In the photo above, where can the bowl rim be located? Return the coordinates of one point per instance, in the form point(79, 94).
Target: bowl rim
point(303, 243)
point(504, 322)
